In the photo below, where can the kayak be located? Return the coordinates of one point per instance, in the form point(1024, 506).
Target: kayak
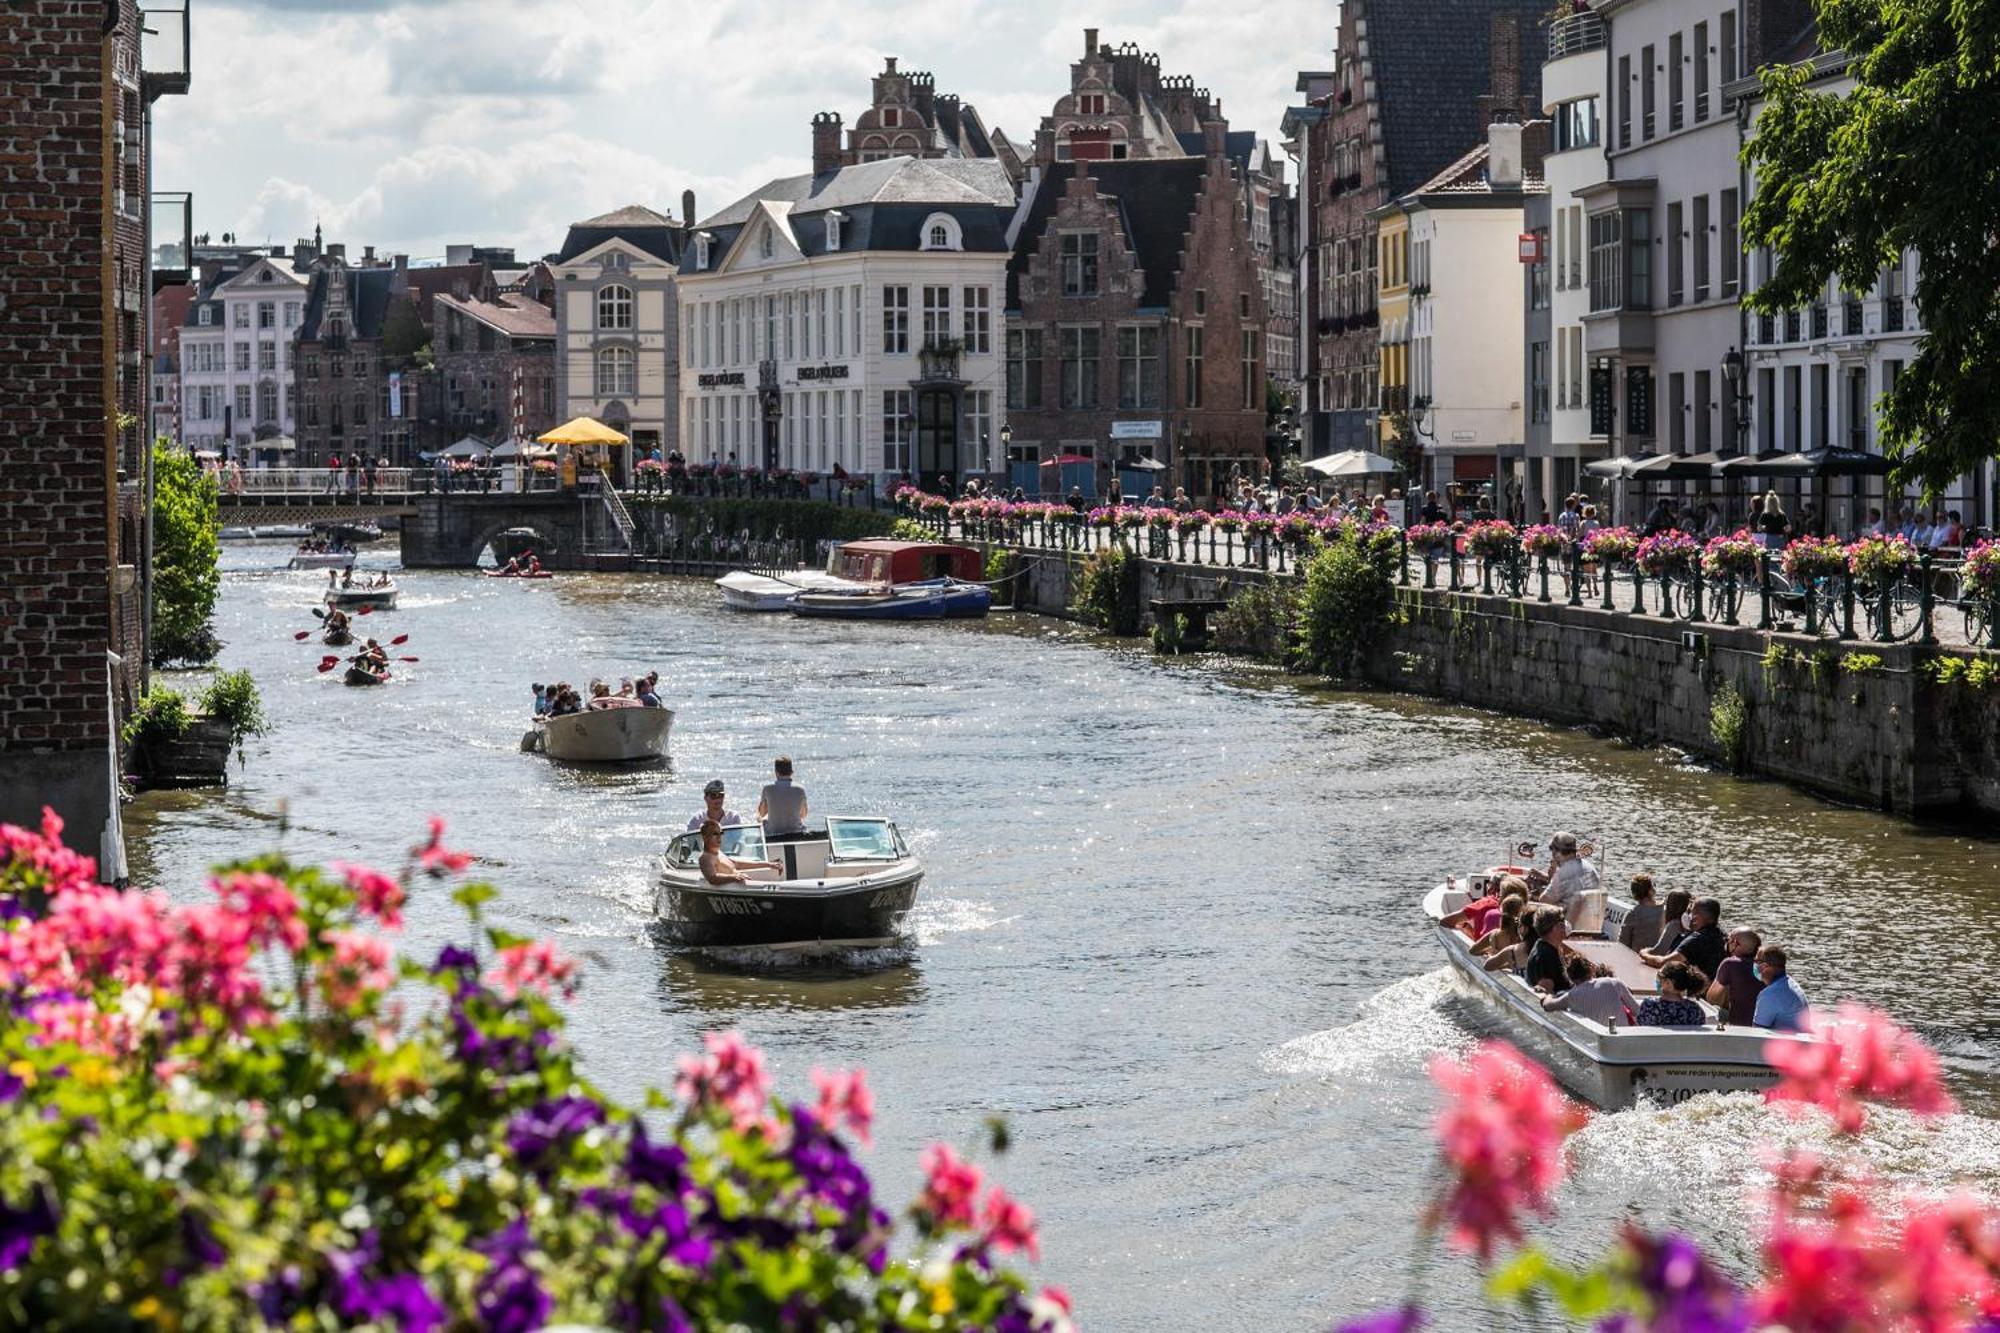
point(359, 676)
point(501, 574)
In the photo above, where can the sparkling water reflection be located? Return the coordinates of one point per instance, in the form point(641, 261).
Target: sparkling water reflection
point(1169, 927)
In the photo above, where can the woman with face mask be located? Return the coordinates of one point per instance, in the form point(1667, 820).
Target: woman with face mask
point(1676, 920)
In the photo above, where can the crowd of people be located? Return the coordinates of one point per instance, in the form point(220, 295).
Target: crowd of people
point(344, 580)
point(561, 699)
point(322, 546)
point(1525, 924)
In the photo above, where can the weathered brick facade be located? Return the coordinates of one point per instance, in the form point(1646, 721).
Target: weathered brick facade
point(1172, 266)
point(62, 290)
point(496, 365)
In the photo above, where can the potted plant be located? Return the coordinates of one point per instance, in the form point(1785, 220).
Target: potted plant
point(1736, 556)
point(1667, 553)
point(1878, 562)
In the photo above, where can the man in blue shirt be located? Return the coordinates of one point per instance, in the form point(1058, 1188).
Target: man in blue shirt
point(1781, 1005)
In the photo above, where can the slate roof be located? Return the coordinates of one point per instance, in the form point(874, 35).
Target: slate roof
point(893, 180)
point(211, 289)
point(517, 317)
point(656, 234)
point(367, 301)
point(1156, 202)
point(1432, 61)
point(1239, 146)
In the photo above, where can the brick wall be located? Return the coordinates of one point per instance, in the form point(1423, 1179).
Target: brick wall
point(57, 473)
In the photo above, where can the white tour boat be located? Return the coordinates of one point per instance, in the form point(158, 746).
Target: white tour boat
point(1613, 1067)
point(847, 886)
point(621, 735)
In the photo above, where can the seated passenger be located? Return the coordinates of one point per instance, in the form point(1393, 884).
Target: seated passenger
point(1781, 1005)
point(1702, 946)
point(1736, 986)
point(1641, 929)
point(719, 869)
point(712, 809)
point(1676, 920)
point(1545, 969)
point(648, 695)
point(1506, 931)
point(1676, 1006)
point(1471, 918)
point(782, 806)
point(1593, 994)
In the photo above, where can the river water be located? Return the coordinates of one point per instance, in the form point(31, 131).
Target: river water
point(1169, 928)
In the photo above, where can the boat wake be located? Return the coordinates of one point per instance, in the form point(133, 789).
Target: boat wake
point(760, 958)
point(1401, 1025)
point(935, 918)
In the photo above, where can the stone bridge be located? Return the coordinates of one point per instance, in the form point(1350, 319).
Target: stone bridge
point(452, 531)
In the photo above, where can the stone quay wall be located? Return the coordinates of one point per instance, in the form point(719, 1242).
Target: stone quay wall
point(1887, 736)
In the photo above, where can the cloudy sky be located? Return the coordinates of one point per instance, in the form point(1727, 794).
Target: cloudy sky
point(410, 124)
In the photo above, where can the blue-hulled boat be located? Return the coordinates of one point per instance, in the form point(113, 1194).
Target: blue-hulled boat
point(931, 599)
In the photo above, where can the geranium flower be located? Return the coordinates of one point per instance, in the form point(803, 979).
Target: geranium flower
point(361, 967)
point(535, 966)
point(1502, 1131)
point(379, 895)
point(1861, 1056)
point(731, 1078)
point(1010, 1225)
point(844, 1098)
point(436, 859)
point(951, 1187)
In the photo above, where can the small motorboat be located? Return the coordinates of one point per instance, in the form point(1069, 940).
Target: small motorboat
point(323, 560)
point(380, 598)
point(745, 591)
point(849, 885)
point(1613, 1067)
point(361, 675)
point(284, 530)
point(237, 535)
point(937, 599)
point(622, 735)
point(347, 533)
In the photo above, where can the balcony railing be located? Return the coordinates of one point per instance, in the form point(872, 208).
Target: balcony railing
point(164, 65)
point(172, 228)
point(1575, 35)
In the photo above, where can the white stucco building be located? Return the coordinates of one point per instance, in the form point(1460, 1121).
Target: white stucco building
point(851, 318)
point(236, 355)
point(1466, 340)
point(617, 349)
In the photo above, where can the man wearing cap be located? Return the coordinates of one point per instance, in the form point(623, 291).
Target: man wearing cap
point(711, 808)
point(1570, 877)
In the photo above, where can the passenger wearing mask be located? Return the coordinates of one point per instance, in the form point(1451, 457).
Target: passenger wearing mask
point(1736, 986)
point(1781, 1005)
point(1702, 946)
point(1675, 921)
point(1676, 1006)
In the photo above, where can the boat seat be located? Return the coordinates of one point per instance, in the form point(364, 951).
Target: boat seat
point(1623, 963)
point(1590, 913)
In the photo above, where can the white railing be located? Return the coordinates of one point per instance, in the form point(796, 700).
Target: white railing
point(313, 482)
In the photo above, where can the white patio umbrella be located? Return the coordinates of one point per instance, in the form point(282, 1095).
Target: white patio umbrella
point(514, 449)
point(1352, 463)
point(469, 447)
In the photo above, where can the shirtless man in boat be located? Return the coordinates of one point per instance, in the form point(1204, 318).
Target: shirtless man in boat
point(719, 869)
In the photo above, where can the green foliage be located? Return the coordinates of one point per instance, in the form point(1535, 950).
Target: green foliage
point(1973, 673)
point(403, 334)
point(1260, 621)
point(1982, 672)
point(1860, 664)
point(186, 550)
point(232, 697)
point(161, 715)
point(1107, 591)
point(1848, 181)
point(1729, 726)
point(1002, 564)
point(1585, 1296)
point(1346, 600)
point(1168, 632)
point(1947, 670)
point(768, 520)
point(911, 530)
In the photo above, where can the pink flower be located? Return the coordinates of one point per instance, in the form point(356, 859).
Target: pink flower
point(1009, 1224)
point(1860, 1056)
point(532, 966)
point(360, 968)
point(269, 911)
point(379, 895)
point(730, 1078)
point(436, 859)
point(844, 1098)
point(951, 1187)
point(1501, 1131)
point(1848, 1269)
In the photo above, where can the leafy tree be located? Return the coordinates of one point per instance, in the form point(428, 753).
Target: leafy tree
point(186, 549)
point(403, 334)
point(1908, 159)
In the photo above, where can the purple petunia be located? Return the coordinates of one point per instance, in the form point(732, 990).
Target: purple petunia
point(535, 1132)
point(1687, 1295)
point(451, 958)
point(21, 1227)
point(199, 1239)
point(510, 1297)
point(1406, 1320)
point(661, 1165)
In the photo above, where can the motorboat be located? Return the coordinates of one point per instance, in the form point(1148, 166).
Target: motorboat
point(294, 530)
point(1614, 1067)
point(234, 534)
point(621, 735)
point(379, 598)
point(348, 532)
point(323, 560)
point(745, 591)
point(518, 544)
point(849, 885)
point(936, 599)
point(361, 675)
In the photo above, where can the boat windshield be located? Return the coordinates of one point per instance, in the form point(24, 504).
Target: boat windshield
point(864, 840)
point(744, 840)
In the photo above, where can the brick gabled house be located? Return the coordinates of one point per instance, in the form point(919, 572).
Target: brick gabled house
point(1135, 326)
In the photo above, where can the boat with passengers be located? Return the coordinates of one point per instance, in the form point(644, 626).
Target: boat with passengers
point(847, 885)
point(1617, 1065)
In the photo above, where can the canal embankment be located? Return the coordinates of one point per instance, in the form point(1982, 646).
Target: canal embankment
point(1892, 726)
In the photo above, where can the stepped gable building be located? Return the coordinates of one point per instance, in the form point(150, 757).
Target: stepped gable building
point(1135, 324)
point(1414, 81)
point(850, 319)
point(908, 117)
point(617, 313)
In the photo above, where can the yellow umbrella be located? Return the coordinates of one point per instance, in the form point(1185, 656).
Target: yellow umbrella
point(583, 430)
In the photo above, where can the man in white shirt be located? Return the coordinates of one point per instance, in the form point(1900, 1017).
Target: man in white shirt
point(711, 808)
point(1570, 877)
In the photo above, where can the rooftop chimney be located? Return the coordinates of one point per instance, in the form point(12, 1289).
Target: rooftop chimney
point(888, 64)
point(368, 256)
point(826, 142)
point(1089, 43)
point(687, 209)
point(402, 263)
point(337, 252)
point(1503, 155)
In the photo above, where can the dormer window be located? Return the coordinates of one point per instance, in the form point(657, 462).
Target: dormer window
point(207, 316)
point(833, 229)
point(941, 232)
point(940, 238)
point(701, 241)
point(1090, 104)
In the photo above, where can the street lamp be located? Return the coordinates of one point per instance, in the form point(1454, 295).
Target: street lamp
point(1732, 375)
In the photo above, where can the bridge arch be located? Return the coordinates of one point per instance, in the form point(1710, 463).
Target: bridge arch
point(548, 538)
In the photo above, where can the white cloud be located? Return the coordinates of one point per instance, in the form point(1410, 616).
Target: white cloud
point(409, 124)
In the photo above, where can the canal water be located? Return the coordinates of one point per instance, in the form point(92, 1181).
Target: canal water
point(1169, 928)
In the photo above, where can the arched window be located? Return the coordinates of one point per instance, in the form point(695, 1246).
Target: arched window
point(765, 244)
point(941, 232)
point(940, 238)
point(617, 372)
point(614, 307)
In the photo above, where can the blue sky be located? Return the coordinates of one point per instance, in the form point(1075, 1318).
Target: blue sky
point(410, 124)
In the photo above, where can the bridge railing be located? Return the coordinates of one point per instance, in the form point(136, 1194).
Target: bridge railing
point(308, 483)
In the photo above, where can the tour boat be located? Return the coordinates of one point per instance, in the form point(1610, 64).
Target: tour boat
point(847, 886)
point(382, 598)
point(744, 591)
point(323, 560)
point(618, 735)
point(937, 599)
point(359, 675)
point(1614, 1067)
